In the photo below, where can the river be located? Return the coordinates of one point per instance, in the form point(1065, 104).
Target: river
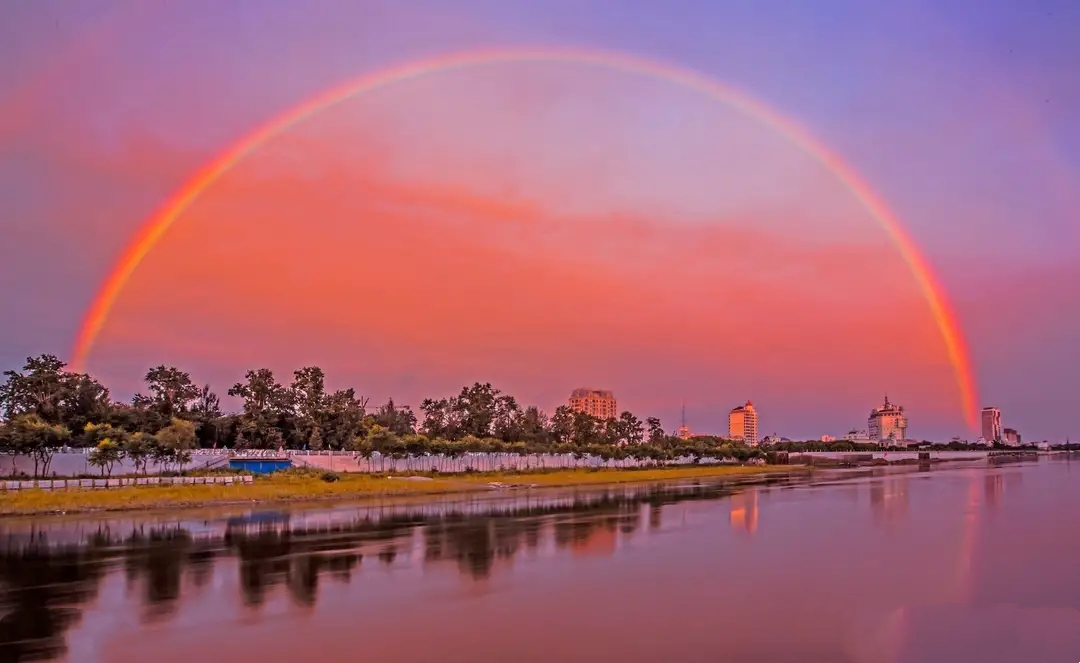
point(973, 562)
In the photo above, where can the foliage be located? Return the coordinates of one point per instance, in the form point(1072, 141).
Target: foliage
point(105, 455)
point(174, 415)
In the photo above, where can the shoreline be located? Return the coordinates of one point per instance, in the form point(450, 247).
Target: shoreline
point(307, 487)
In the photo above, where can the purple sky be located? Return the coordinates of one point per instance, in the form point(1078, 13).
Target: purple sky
point(960, 113)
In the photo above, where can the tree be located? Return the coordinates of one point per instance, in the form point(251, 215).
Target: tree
point(172, 392)
point(631, 430)
point(506, 420)
point(533, 426)
point(399, 420)
point(476, 408)
point(438, 422)
point(656, 433)
point(562, 425)
point(345, 418)
point(139, 447)
point(208, 405)
point(32, 436)
point(37, 389)
point(43, 388)
point(315, 442)
point(266, 403)
point(307, 395)
point(105, 455)
point(174, 443)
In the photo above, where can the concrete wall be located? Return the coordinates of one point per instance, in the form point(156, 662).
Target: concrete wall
point(894, 455)
point(74, 463)
point(476, 461)
point(64, 484)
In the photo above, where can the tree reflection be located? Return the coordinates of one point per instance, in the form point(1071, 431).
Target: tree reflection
point(42, 592)
point(45, 585)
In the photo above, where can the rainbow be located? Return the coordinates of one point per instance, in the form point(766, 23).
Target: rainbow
point(155, 228)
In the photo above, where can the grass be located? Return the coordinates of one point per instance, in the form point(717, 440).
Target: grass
point(301, 485)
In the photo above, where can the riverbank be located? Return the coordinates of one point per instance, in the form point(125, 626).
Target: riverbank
point(300, 486)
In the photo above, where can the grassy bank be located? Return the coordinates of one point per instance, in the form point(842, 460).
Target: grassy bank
point(306, 485)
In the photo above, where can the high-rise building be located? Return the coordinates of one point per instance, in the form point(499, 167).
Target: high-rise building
point(597, 402)
point(991, 424)
point(743, 424)
point(1011, 437)
point(887, 423)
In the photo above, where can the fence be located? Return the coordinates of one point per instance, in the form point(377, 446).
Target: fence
point(82, 484)
point(75, 462)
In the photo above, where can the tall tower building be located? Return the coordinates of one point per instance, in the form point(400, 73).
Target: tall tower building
point(684, 430)
point(597, 402)
point(743, 424)
point(887, 423)
point(991, 424)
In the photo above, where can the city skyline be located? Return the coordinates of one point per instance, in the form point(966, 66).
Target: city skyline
point(438, 208)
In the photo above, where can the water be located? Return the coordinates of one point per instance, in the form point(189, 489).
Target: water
point(974, 563)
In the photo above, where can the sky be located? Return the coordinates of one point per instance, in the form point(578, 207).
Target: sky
point(558, 223)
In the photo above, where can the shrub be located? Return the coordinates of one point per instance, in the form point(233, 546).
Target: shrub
point(329, 477)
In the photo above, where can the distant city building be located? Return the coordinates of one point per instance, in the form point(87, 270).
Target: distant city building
point(858, 436)
point(991, 424)
point(887, 423)
point(1011, 437)
point(597, 402)
point(774, 439)
point(828, 438)
point(743, 424)
point(684, 430)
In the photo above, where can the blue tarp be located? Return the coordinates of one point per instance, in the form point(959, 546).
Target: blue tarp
point(258, 465)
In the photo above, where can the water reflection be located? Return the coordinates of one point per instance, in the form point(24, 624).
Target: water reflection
point(744, 511)
point(588, 572)
point(889, 498)
point(46, 580)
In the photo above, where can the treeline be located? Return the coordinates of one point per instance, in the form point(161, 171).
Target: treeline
point(46, 407)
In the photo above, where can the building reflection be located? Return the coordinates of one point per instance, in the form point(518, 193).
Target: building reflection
point(889, 498)
point(993, 489)
point(744, 511)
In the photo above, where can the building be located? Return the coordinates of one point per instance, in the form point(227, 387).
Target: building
point(1011, 437)
point(743, 424)
point(599, 403)
point(887, 423)
point(860, 436)
point(991, 424)
point(684, 430)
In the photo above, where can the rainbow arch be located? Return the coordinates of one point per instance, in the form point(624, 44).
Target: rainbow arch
point(158, 224)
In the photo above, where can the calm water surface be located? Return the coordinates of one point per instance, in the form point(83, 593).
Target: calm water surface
point(975, 563)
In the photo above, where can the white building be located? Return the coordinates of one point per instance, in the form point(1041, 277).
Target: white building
point(887, 424)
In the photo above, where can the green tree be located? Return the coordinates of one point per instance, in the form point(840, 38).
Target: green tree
point(315, 442)
point(106, 455)
point(400, 420)
point(631, 430)
point(307, 395)
point(174, 443)
point(656, 432)
point(345, 418)
point(32, 436)
point(139, 447)
point(44, 388)
point(439, 420)
point(266, 404)
point(476, 407)
point(562, 425)
point(172, 393)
